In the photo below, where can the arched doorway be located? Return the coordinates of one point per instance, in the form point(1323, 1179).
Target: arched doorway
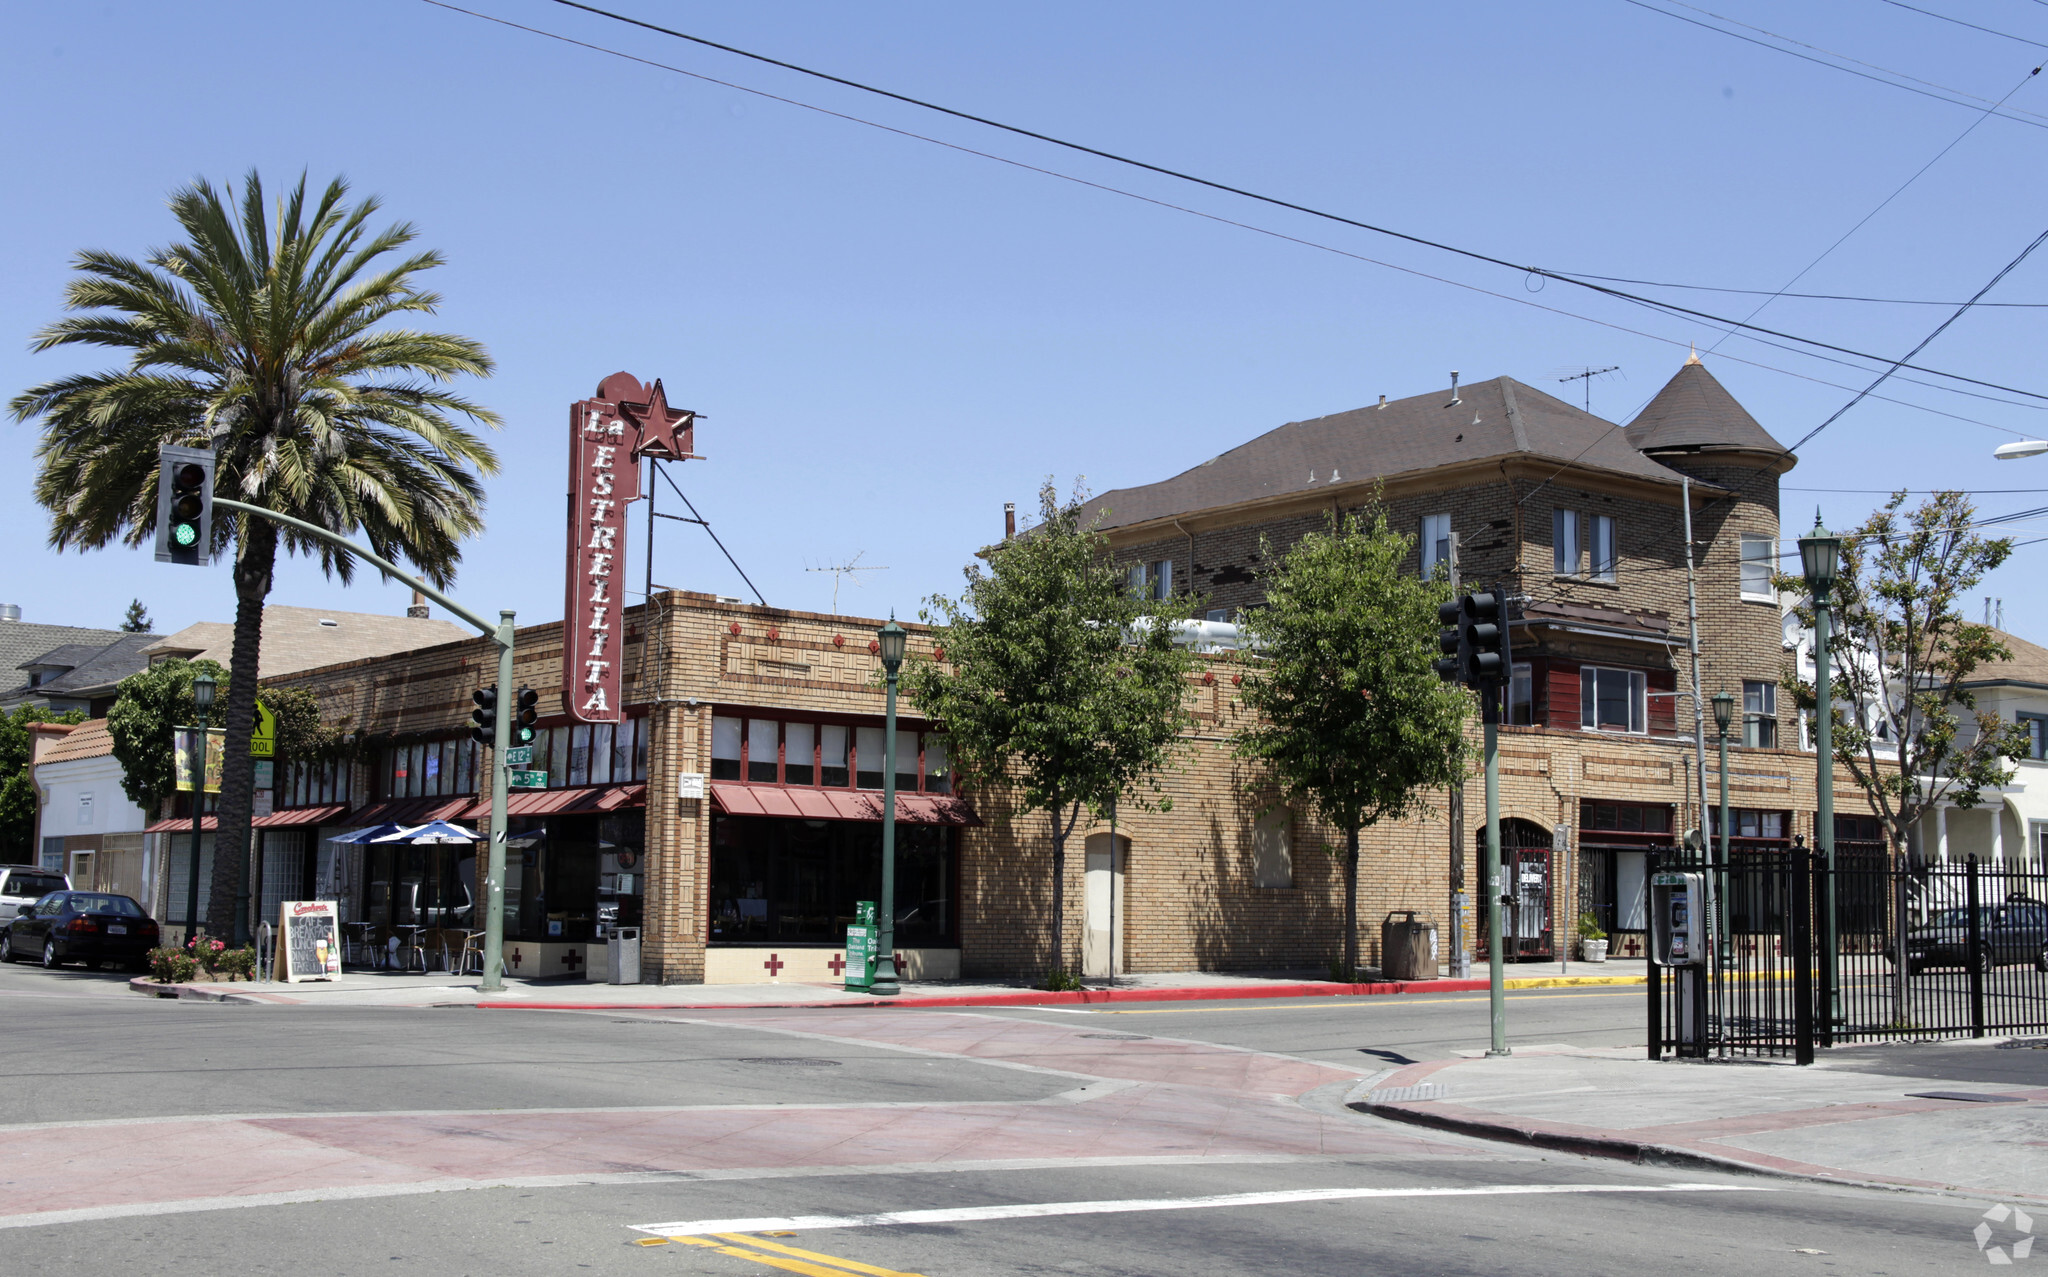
point(1527, 933)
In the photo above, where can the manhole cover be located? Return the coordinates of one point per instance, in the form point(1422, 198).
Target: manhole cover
point(1118, 1037)
point(1968, 1097)
point(793, 1061)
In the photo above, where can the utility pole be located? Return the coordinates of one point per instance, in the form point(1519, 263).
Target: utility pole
point(1461, 945)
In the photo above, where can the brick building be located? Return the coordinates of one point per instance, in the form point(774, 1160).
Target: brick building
point(777, 715)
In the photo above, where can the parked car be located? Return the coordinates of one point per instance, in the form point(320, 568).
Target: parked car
point(2015, 930)
point(24, 885)
point(92, 927)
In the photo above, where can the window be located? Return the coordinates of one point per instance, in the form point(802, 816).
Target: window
point(832, 755)
point(1605, 557)
point(1747, 822)
point(868, 746)
point(1521, 699)
point(1631, 818)
point(1564, 542)
point(2037, 733)
point(798, 751)
point(1217, 614)
point(1759, 714)
point(725, 749)
point(1759, 556)
point(1272, 849)
point(1151, 580)
point(1436, 543)
point(764, 743)
point(1613, 700)
point(938, 779)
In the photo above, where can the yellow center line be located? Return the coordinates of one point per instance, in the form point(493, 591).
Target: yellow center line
point(792, 1264)
point(851, 1265)
point(1364, 1002)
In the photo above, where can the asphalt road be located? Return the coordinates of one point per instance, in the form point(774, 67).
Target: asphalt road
point(76, 1048)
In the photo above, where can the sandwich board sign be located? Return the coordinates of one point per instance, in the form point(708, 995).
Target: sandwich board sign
point(308, 941)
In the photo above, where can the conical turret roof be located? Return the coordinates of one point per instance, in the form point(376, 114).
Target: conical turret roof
point(1695, 413)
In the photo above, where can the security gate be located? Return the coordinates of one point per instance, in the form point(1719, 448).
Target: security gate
point(1527, 933)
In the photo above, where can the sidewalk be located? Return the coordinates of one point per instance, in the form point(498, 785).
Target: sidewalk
point(389, 988)
point(1841, 1120)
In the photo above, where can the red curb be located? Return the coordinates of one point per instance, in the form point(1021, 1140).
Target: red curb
point(1037, 998)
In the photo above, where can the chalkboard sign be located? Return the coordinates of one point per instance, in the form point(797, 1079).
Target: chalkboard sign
point(308, 941)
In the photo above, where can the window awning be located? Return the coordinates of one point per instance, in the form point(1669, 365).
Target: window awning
point(412, 811)
point(798, 803)
point(295, 818)
point(589, 800)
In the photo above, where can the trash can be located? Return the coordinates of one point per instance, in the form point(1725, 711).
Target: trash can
point(622, 956)
point(1407, 947)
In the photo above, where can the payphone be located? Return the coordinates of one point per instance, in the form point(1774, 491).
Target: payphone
point(1678, 919)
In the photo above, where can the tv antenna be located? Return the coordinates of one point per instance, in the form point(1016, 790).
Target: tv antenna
point(849, 570)
point(1586, 375)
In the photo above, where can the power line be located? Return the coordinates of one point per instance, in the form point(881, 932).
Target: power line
point(1900, 4)
point(1939, 329)
point(1211, 184)
point(1818, 297)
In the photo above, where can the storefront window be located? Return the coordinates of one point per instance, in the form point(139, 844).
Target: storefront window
point(799, 753)
point(832, 755)
point(937, 779)
point(867, 757)
point(725, 749)
point(797, 881)
point(763, 750)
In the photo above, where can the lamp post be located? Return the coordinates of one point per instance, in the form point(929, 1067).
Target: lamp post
point(889, 640)
point(1724, 712)
point(1820, 558)
point(202, 702)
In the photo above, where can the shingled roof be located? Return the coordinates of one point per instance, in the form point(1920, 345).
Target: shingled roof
point(1695, 413)
point(2029, 664)
point(1488, 420)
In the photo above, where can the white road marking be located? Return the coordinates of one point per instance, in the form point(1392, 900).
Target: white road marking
point(1039, 1210)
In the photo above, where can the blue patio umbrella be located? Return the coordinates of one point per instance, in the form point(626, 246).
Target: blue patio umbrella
point(436, 831)
point(372, 834)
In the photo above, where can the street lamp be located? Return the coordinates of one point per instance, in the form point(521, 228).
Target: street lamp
point(889, 641)
point(2024, 448)
point(202, 702)
point(1724, 713)
point(1820, 558)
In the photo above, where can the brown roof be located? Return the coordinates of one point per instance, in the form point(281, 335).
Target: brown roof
point(295, 638)
point(89, 739)
point(1491, 419)
point(2029, 664)
point(1694, 412)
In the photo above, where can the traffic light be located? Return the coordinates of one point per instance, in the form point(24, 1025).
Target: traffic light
point(484, 718)
point(184, 505)
point(524, 715)
point(1481, 629)
point(1450, 667)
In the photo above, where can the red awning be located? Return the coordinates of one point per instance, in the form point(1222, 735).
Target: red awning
point(593, 799)
point(797, 803)
point(410, 811)
point(294, 818)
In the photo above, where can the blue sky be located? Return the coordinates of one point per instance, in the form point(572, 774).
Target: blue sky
point(890, 338)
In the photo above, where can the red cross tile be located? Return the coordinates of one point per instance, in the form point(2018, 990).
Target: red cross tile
point(837, 964)
point(515, 959)
point(774, 965)
point(572, 959)
point(1633, 946)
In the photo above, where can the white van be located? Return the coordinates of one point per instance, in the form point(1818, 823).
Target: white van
point(24, 885)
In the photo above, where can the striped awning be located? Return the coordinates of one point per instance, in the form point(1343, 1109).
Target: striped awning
point(293, 818)
point(798, 803)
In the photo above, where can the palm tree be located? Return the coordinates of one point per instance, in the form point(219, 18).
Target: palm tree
point(257, 337)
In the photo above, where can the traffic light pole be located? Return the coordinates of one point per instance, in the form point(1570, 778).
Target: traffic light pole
point(1496, 972)
point(500, 633)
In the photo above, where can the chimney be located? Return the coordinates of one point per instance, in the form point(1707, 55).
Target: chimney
point(10, 611)
point(418, 610)
point(1009, 520)
point(1455, 401)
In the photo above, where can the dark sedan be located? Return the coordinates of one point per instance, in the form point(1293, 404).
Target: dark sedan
point(2010, 932)
point(92, 927)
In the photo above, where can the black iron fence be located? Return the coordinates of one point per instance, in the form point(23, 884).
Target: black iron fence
point(1804, 956)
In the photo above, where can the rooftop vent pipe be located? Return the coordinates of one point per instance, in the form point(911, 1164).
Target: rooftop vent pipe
point(10, 611)
point(1455, 401)
point(1383, 401)
point(1009, 520)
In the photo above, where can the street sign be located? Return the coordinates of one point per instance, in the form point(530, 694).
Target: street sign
point(526, 780)
point(690, 785)
point(263, 740)
point(519, 756)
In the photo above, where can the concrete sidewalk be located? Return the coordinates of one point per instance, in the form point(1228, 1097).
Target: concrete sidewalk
point(1842, 1120)
point(390, 988)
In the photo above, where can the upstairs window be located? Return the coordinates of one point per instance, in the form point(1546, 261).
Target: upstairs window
point(1564, 542)
point(1613, 700)
point(1605, 556)
point(1151, 580)
point(1436, 543)
point(1759, 557)
point(1759, 714)
point(1521, 695)
point(2037, 734)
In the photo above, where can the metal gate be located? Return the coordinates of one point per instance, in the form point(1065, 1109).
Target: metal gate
point(1804, 956)
point(1527, 930)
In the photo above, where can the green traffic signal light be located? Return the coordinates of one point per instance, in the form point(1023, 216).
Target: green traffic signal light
point(184, 535)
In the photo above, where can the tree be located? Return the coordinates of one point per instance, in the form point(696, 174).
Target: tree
point(17, 783)
point(1353, 720)
point(1056, 678)
point(1905, 724)
point(137, 620)
point(261, 337)
point(147, 706)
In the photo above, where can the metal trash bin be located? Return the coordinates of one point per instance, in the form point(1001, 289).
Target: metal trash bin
point(1407, 947)
point(622, 956)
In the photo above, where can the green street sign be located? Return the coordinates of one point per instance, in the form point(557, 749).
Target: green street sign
point(519, 756)
point(527, 780)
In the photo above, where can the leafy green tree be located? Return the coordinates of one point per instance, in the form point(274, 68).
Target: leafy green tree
point(1905, 725)
point(1056, 679)
point(1353, 720)
point(17, 783)
point(137, 619)
point(151, 702)
point(263, 336)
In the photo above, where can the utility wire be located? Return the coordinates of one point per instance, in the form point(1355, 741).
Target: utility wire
point(1926, 341)
point(1179, 175)
point(1192, 212)
point(2007, 35)
point(1817, 297)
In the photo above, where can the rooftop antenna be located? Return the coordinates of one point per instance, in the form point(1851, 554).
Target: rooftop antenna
point(849, 570)
point(1586, 375)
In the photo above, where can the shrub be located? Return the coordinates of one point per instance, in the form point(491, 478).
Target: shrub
point(1589, 927)
point(172, 966)
point(1341, 974)
point(1058, 980)
point(237, 964)
point(206, 951)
